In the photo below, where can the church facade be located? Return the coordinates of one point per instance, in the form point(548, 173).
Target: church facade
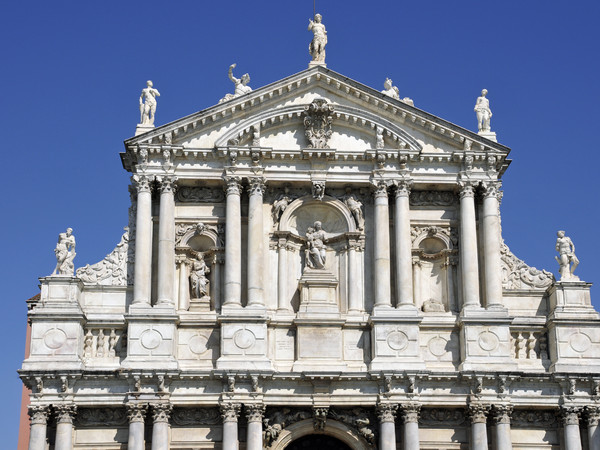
point(315, 264)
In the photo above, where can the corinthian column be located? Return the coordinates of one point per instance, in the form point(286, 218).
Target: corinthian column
point(592, 415)
point(38, 414)
point(404, 280)
point(478, 414)
point(233, 244)
point(143, 241)
point(136, 413)
point(570, 420)
point(381, 252)
point(166, 242)
point(254, 415)
point(386, 413)
point(230, 413)
point(491, 246)
point(501, 417)
point(64, 426)
point(160, 428)
point(255, 242)
point(410, 418)
point(468, 247)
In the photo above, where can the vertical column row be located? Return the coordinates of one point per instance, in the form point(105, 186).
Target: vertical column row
point(143, 241)
point(386, 413)
point(478, 414)
point(166, 242)
point(491, 245)
point(161, 413)
point(230, 413)
point(38, 414)
point(136, 412)
point(64, 426)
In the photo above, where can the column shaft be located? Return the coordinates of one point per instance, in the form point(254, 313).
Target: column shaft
point(255, 242)
point(282, 296)
point(216, 282)
point(468, 248)
point(593, 437)
point(64, 427)
point(354, 304)
point(491, 245)
point(404, 281)
point(411, 436)
point(254, 437)
point(160, 427)
point(387, 426)
point(166, 243)
point(136, 436)
point(143, 242)
point(503, 441)
point(416, 280)
point(478, 413)
point(572, 437)
point(39, 420)
point(184, 287)
point(233, 245)
point(381, 255)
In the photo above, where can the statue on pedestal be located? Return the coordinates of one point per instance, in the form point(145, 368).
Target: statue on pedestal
point(317, 46)
point(484, 114)
point(316, 251)
point(390, 90)
point(241, 85)
point(65, 253)
point(148, 108)
point(198, 280)
point(567, 260)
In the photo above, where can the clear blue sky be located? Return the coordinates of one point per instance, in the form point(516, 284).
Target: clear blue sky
point(72, 73)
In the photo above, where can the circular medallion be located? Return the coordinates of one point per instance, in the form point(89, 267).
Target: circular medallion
point(244, 339)
point(437, 346)
point(198, 344)
point(488, 341)
point(397, 340)
point(55, 338)
point(580, 342)
point(150, 339)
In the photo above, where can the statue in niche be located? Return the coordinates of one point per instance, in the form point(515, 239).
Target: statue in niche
point(484, 113)
point(241, 85)
point(148, 108)
point(567, 260)
point(390, 90)
point(316, 251)
point(65, 253)
point(280, 204)
point(355, 207)
point(317, 46)
point(198, 280)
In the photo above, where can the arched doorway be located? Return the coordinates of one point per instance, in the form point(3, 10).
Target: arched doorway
point(317, 442)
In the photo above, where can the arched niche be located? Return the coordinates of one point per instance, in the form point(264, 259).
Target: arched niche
point(332, 428)
point(199, 237)
point(303, 212)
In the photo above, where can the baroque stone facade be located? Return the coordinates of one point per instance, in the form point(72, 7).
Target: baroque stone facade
point(316, 260)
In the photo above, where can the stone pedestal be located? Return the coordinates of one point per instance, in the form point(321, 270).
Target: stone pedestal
point(488, 135)
point(200, 304)
point(318, 294)
point(141, 129)
point(244, 340)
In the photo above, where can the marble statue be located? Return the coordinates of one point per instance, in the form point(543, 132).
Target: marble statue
point(65, 253)
point(317, 45)
point(390, 90)
point(355, 207)
point(198, 280)
point(280, 204)
point(317, 250)
point(567, 260)
point(241, 85)
point(484, 114)
point(148, 108)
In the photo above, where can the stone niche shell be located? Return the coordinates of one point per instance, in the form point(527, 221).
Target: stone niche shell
point(304, 212)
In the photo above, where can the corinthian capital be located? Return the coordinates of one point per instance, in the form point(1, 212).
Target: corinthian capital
point(233, 185)
point(570, 415)
point(136, 412)
point(38, 414)
point(141, 183)
point(161, 412)
point(502, 413)
point(380, 189)
point(230, 411)
point(410, 412)
point(257, 185)
point(478, 412)
point(403, 188)
point(167, 184)
point(492, 189)
point(592, 415)
point(467, 189)
point(254, 412)
point(65, 412)
point(386, 412)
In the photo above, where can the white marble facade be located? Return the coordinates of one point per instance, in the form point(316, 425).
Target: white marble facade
point(313, 261)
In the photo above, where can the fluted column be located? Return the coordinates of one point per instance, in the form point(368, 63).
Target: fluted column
point(592, 416)
point(233, 244)
point(136, 412)
point(38, 415)
point(166, 242)
point(404, 280)
point(570, 421)
point(143, 241)
point(501, 418)
point(410, 418)
point(161, 412)
point(255, 242)
point(468, 247)
point(381, 255)
point(254, 415)
point(386, 412)
point(478, 414)
point(282, 292)
point(491, 246)
point(230, 413)
point(184, 284)
point(64, 426)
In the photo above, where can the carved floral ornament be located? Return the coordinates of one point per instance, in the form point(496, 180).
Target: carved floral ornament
point(317, 123)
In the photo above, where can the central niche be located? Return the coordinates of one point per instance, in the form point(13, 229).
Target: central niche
point(308, 212)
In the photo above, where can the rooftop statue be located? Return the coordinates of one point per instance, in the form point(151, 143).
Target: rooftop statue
point(241, 85)
point(567, 261)
point(390, 90)
point(317, 46)
point(484, 114)
point(148, 108)
point(65, 253)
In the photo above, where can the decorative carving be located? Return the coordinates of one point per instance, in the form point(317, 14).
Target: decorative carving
point(199, 283)
point(195, 416)
point(230, 411)
point(148, 108)
point(569, 415)
point(38, 414)
point(410, 412)
point(256, 186)
point(386, 412)
point(280, 204)
point(431, 231)
point(316, 250)
point(318, 117)
point(379, 143)
point(403, 188)
point(355, 207)
point(254, 412)
point(478, 412)
point(233, 185)
point(65, 412)
point(241, 85)
point(320, 418)
point(518, 275)
point(358, 419)
point(380, 188)
point(528, 345)
point(136, 412)
point(200, 195)
point(467, 188)
point(256, 136)
point(166, 184)
point(278, 420)
point(483, 112)
point(390, 90)
point(316, 48)
point(318, 190)
point(592, 415)
point(492, 189)
point(567, 261)
point(65, 253)
point(161, 412)
point(432, 417)
point(101, 417)
point(533, 418)
point(501, 413)
point(112, 270)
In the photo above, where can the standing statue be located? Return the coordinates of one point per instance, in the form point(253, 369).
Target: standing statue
point(65, 253)
point(355, 207)
point(148, 108)
point(281, 204)
point(390, 90)
point(567, 261)
point(317, 46)
point(198, 280)
point(241, 85)
point(484, 114)
point(316, 251)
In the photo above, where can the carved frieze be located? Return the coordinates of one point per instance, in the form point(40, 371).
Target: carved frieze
point(432, 198)
point(101, 417)
point(318, 117)
point(196, 416)
point(188, 194)
point(441, 417)
point(533, 418)
point(112, 270)
point(359, 419)
point(518, 275)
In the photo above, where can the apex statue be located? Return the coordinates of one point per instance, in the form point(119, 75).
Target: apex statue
point(316, 48)
point(148, 108)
